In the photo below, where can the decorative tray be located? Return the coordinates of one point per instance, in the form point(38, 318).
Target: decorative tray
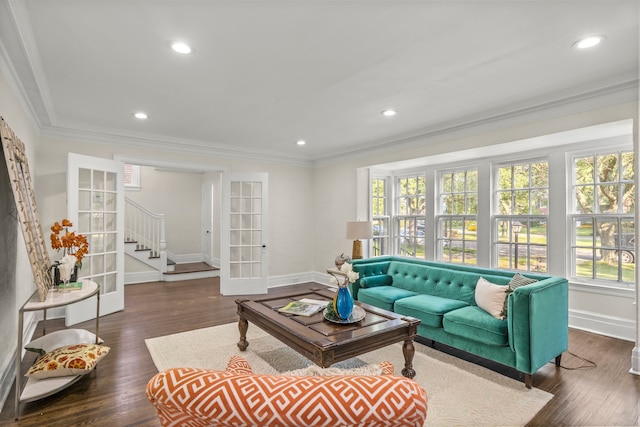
point(357, 315)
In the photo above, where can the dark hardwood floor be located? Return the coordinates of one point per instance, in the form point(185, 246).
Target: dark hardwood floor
point(114, 394)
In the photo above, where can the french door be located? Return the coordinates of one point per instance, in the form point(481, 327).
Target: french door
point(95, 190)
point(243, 251)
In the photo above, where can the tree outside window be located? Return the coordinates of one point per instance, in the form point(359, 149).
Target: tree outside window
point(410, 211)
point(602, 224)
point(457, 219)
point(380, 244)
point(520, 234)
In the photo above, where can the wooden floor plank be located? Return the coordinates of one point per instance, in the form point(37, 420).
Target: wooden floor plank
point(114, 394)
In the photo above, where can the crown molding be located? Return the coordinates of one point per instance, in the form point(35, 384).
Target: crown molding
point(26, 65)
point(624, 90)
point(171, 145)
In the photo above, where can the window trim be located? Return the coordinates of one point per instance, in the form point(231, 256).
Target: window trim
point(440, 237)
point(497, 216)
point(571, 214)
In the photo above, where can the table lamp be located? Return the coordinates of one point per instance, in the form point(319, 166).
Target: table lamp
point(357, 230)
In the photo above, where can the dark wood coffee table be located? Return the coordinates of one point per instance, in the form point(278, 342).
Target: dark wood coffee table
point(324, 342)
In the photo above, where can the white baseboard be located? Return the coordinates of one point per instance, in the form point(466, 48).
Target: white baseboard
point(635, 361)
point(294, 279)
point(142, 277)
point(603, 325)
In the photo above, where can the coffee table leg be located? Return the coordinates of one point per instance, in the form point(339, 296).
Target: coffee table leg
point(243, 325)
point(408, 350)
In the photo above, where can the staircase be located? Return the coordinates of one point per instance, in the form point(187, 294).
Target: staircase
point(145, 241)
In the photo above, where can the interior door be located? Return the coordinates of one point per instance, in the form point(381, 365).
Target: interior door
point(207, 223)
point(243, 251)
point(95, 189)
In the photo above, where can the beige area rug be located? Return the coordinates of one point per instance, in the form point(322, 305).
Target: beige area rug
point(459, 393)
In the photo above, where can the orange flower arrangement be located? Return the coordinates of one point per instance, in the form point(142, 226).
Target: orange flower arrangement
point(70, 242)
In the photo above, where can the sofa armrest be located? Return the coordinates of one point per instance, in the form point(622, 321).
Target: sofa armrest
point(200, 397)
point(538, 322)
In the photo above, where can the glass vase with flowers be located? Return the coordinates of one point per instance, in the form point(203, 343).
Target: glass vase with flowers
point(343, 301)
point(74, 247)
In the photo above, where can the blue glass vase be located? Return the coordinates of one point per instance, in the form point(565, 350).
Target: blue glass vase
point(344, 302)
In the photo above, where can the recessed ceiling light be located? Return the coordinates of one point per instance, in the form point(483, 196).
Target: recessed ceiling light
point(588, 42)
point(389, 113)
point(301, 142)
point(181, 47)
point(140, 115)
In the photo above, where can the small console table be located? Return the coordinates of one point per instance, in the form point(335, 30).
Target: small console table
point(35, 389)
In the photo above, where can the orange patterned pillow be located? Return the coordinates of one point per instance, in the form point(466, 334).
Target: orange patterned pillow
point(76, 359)
point(200, 397)
point(239, 365)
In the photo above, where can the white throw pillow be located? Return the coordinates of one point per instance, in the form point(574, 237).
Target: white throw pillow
point(490, 297)
point(62, 338)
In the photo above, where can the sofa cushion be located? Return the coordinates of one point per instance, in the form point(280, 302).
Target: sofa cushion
point(383, 296)
point(476, 324)
point(428, 308)
point(491, 297)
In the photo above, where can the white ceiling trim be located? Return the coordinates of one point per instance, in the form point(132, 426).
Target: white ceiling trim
point(170, 145)
point(626, 91)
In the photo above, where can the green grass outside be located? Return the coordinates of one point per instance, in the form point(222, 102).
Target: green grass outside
point(606, 271)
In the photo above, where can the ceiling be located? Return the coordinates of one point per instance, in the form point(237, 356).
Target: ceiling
point(264, 74)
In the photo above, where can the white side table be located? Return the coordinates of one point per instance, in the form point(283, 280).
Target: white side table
point(35, 389)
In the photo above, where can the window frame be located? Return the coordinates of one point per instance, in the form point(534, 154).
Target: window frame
point(381, 244)
point(444, 237)
point(404, 221)
point(574, 217)
point(511, 242)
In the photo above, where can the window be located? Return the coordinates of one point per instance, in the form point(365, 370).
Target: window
point(380, 244)
point(411, 196)
point(564, 209)
point(602, 218)
point(457, 220)
point(131, 176)
point(520, 233)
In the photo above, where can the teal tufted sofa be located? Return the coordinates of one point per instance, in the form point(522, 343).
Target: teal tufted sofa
point(442, 296)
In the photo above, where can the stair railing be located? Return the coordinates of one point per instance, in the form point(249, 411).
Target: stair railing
point(147, 229)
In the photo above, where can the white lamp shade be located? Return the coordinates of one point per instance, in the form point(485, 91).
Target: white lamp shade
point(359, 230)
